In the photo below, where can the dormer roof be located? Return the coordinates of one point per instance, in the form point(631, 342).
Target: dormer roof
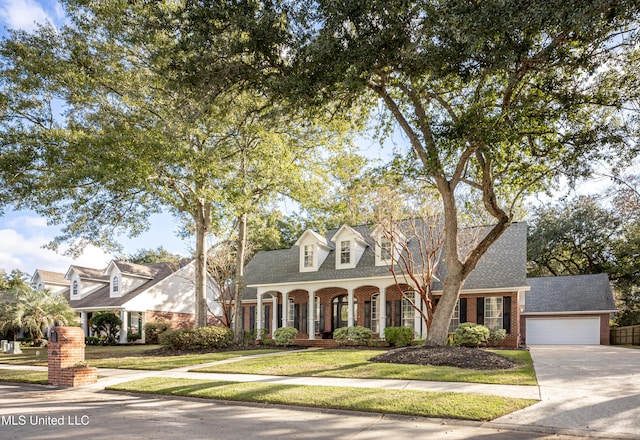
point(87, 273)
point(132, 269)
point(310, 235)
point(350, 232)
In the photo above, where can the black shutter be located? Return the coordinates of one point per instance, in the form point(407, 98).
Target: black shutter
point(305, 321)
point(389, 315)
point(242, 316)
point(252, 318)
point(279, 323)
point(506, 313)
point(267, 318)
point(398, 313)
point(367, 314)
point(463, 310)
point(296, 316)
point(322, 313)
point(480, 310)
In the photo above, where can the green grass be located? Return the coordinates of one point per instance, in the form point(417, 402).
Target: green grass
point(24, 376)
point(135, 357)
point(418, 403)
point(355, 364)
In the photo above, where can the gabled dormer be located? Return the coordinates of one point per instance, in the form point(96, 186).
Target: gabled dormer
point(125, 277)
point(314, 249)
point(84, 281)
point(350, 245)
point(388, 245)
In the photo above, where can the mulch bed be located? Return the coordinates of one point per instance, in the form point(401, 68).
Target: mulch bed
point(461, 357)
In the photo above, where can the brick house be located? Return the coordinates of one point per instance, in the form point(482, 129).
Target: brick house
point(342, 278)
point(138, 293)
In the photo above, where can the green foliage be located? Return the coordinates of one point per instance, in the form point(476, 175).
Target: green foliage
point(106, 324)
point(34, 311)
point(497, 336)
point(14, 280)
point(356, 335)
point(95, 340)
point(470, 334)
point(398, 336)
point(197, 339)
point(147, 256)
point(152, 329)
point(284, 336)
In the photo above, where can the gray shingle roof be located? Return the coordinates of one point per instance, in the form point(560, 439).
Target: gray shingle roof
point(101, 297)
point(504, 264)
point(52, 277)
point(578, 293)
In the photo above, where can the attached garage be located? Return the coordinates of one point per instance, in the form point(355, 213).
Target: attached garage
point(566, 331)
point(567, 310)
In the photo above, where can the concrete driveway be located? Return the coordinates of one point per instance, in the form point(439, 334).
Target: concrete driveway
point(585, 390)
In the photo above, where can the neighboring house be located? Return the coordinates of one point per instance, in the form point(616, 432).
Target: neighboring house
point(342, 278)
point(55, 282)
point(568, 310)
point(138, 293)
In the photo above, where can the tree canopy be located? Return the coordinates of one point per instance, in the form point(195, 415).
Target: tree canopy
point(496, 98)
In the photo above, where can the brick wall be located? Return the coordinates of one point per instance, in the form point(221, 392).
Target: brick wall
point(64, 356)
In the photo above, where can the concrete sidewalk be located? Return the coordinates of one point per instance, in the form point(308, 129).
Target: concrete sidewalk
point(115, 376)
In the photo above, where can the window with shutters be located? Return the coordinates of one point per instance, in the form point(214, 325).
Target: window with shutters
point(493, 312)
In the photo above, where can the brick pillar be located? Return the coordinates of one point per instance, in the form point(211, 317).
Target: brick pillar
point(66, 350)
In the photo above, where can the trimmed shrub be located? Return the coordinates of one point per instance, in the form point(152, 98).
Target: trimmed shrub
point(152, 330)
point(197, 339)
point(356, 335)
point(497, 336)
point(398, 336)
point(470, 334)
point(106, 324)
point(284, 336)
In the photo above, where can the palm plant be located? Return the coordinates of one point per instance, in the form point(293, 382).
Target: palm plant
point(35, 311)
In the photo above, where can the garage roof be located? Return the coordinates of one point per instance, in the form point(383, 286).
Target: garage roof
point(577, 293)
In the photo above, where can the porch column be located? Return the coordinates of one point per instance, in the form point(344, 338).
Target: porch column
point(84, 320)
point(383, 309)
point(311, 328)
point(350, 308)
point(259, 316)
point(274, 314)
point(124, 316)
point(285, 309)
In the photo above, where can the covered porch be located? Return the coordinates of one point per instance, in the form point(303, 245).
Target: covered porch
point(316, 309)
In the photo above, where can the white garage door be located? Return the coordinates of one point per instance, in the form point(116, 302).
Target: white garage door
point(577, 331)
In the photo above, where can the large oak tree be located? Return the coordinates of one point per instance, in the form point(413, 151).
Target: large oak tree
point(495, 98)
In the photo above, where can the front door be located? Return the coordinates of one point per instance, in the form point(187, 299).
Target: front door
point(341, 312)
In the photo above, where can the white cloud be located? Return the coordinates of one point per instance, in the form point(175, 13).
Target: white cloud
point(24, 14)
point(28, 254)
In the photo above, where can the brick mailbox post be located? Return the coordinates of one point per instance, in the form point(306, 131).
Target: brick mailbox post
point(66, 358)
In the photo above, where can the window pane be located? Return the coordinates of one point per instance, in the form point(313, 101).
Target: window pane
point(493, 312)
point(345, 252)
point(455, 319)
point(308, 256)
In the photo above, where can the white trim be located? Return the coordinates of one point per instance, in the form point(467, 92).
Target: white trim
point(489, 290)
point(91, 309)
point(586, 312)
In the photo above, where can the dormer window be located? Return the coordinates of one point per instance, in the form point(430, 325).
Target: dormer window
point(308, 255)
point(74, 288)
point(388, 245)
point(385, 249)
point(115, 285)
point(345, 252)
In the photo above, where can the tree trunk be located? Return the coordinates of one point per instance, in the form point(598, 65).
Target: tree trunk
point(238, 336)
point(202, 220)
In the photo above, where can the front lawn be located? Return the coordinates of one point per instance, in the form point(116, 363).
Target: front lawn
point(355, 364)
point(418, 403)
point(24, 376)
point(135, 357)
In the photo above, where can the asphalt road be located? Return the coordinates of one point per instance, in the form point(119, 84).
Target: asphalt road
point(35, 413)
